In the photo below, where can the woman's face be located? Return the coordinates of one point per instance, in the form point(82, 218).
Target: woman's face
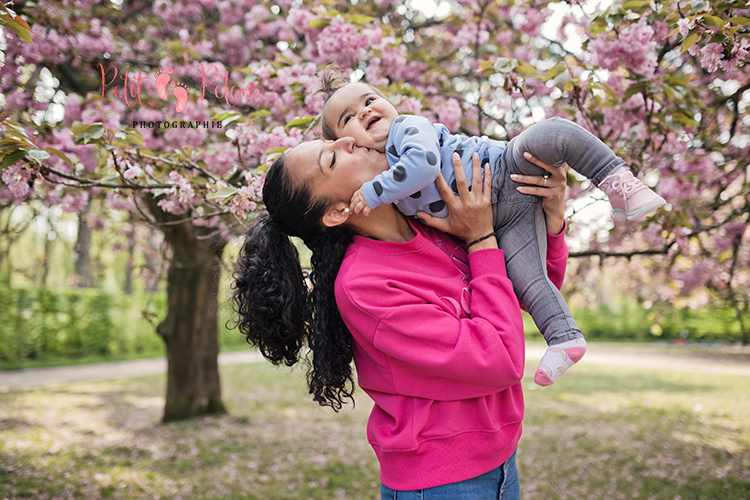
point(334, 169)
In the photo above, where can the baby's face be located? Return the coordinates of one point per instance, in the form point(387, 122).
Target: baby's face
point(357, 111)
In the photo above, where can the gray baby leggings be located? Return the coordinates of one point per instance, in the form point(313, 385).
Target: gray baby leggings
point(519, 219)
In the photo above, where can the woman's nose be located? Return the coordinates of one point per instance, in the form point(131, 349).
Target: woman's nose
point(347, 143)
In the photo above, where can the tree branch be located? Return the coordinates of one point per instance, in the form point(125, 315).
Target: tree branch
point(83, 182)
point(604, 254)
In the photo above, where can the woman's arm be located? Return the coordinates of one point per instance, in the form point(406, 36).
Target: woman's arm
point(552, 190)
point(469, 212)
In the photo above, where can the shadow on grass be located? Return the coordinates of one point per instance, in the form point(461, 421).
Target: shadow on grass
point(596, 434)
point(655, 435)
point(105, 440)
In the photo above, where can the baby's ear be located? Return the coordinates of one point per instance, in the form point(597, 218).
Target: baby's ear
point(336, 215)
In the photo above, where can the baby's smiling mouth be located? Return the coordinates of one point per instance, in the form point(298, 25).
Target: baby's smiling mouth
point(372, 121)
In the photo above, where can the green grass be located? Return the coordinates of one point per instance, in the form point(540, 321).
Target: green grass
point(600, 433)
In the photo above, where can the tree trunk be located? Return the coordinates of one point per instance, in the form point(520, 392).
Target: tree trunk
point(83, 248)
point(49, 237)
point(129, 266)
point(190, 330)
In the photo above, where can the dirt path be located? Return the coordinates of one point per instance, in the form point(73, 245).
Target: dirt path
point(708, 360)
point(42, 377)
point(717, 361)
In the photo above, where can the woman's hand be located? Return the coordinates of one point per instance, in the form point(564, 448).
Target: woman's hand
point(551, 188)
point(469, 213)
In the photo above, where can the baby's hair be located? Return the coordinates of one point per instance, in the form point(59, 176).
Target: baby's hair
point(331, 80)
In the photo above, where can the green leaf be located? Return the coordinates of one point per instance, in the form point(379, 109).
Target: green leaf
point(528, 70)
point(713, 20)
point(16, 24)
point(689, 42)
point(505, 65)
point(485, 65)
point(606, 88)
point(229, 119)
point(59, 154)
point(19, 136)
point(634, 4)
point(700, 5)
point(361, 19)
point(13, 157)
point(110, 179)
point(319, 23)
point(740, 20)
point(279, 149)
point(554, 71)
point(38, 155)
point(87, 132)
point(300, 122)
point(225, 192)
point(634, 89)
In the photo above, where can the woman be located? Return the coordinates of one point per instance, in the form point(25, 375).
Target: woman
point(432, 325)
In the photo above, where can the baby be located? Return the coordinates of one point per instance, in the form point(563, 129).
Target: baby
point(418, 151)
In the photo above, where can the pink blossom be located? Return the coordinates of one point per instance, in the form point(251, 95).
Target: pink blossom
point(373, 73)
point(410, 105)
point(737, 56)
point(697, 275)
point(449, 113)
point(340, 42)
point(735, 228)
point(244, 200)
point(300, 18)
point(711, 54)
point(685, 26)
point(702, 166)
point(221, 159)
point(108, 113)
point(132, 171)
point(634, 48)
point(466, 36)
point(53, 46)
point(278, 137)
point(118, 202)
point(73, 107)
point(96, 42)
point(75, 202)
point(671, 188)
point(17, 178)
point(183, 190)
point(172, 206)
point(529, 20)
point(394, 62)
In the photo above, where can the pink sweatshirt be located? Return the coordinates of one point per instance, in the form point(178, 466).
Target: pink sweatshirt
point(438, 346)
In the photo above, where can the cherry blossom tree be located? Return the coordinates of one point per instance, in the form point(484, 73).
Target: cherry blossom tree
point(172, 110)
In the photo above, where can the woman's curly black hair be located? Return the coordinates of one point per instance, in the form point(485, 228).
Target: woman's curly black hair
point(277, 312)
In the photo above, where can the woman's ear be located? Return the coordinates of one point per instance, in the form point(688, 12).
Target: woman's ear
point(336, 215)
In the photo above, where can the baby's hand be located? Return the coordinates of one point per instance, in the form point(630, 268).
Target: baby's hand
point(358, 204)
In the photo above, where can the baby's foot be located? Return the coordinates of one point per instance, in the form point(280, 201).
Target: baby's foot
point(162, 79)
point(180, 92)
point(630, 198)
point(557, 359)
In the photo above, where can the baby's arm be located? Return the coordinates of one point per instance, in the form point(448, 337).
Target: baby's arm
point(413, 153)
